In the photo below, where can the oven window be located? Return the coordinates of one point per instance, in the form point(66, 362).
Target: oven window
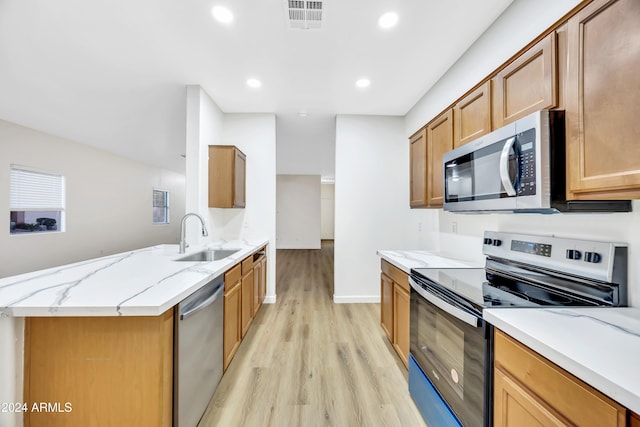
point(451, 353)
point(447, 349)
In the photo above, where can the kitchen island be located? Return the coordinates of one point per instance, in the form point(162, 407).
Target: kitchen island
point(98, 346)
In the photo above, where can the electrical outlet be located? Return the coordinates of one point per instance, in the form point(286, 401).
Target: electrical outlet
point(419, 226)
point(454, 227)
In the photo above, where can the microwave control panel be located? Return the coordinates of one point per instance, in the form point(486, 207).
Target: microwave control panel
point(527, 163)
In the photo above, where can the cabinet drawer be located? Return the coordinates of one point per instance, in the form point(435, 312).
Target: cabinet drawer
point(397, 275)
point(232, 276)
point(247, 265)
point(568, 395)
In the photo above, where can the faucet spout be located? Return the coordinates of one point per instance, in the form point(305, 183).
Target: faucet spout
point(183, 241)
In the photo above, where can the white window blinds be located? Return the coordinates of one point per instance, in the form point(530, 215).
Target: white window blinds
point(32, 191)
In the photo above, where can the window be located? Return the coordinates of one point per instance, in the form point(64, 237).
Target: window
point(160, 206)
point(36, 201)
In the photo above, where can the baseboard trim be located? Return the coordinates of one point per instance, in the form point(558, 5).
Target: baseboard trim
point(355, 299)
point(269, 299)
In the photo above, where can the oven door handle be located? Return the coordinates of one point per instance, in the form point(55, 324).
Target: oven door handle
point(456, 312)
point(504, 167)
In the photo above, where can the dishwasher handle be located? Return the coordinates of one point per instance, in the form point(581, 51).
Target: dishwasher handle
point(203, 304)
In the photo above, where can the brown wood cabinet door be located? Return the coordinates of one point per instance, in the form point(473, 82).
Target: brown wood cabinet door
point(557, 390)
point(239, 179)
point(115, 371)
point(515, 406)
point(634, 420)
point(472, 115)
point(257, 276)
point(439, 141)
point(418, 166)
point(401, 302)
point(527, 84)
point(386, 305)
point(232, 322)
point(247, 301)
point(227, 170)
point(263, 279)
point(603, 83)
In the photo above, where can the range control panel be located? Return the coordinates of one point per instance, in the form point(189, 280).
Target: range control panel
point(584, 258)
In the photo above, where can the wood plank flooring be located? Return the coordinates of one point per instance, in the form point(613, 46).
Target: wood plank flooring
point(309, 362)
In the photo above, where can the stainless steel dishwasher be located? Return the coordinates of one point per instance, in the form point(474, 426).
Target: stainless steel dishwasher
point(198, 357)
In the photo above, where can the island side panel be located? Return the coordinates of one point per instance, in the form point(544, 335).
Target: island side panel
point(83, 371)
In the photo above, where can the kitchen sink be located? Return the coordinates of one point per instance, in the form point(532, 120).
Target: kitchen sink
point(209, 255)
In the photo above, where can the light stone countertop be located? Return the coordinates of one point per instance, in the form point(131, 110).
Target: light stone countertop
point(601, 346)
point(406, 260)
point(143, 282)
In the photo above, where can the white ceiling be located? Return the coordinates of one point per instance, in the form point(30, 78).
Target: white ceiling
point(112, 73)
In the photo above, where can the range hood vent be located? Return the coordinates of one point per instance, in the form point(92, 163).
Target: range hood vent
point(304, 15)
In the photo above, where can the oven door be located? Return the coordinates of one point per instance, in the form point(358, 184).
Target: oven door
point(451, 346)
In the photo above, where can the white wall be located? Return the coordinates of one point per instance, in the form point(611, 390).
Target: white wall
point(108, 210)
point(255, 136)
point(327, 211)
point(298, 212)
point(372, 203)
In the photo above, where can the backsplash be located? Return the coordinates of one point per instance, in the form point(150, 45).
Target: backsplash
point(615, 227)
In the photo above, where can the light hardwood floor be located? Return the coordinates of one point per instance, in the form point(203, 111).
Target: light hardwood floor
point(309, 362)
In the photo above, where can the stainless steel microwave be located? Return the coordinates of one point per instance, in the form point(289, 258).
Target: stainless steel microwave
point(517, 168)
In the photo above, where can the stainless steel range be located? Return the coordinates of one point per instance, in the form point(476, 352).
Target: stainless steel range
point(451, 347)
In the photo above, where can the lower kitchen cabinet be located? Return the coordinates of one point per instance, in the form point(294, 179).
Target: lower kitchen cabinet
point(112, 371)
point(529, 390)
point(244, 291)
point(394, 310)
point(247, 294)
point(232, 313)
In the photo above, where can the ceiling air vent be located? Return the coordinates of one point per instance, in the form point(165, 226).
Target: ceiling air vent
point(305, 15)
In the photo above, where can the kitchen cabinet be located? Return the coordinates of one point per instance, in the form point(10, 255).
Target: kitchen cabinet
point(232, 313)
point(386, 305)
point(99, 370)
point(244, 291)
point(395, 298)
point(527, 84)
point(439, 141)
point(634, 420)
point(531, 390)
point(259, 279)
point(602, 107)
point(472, 115)
point(227, 177)
point(418, 172)
point(401, 318)
point(247, 294)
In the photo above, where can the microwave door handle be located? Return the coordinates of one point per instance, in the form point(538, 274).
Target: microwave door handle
point(504, 167)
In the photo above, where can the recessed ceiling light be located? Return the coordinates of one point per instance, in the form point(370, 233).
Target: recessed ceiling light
point(388, 20)
point(222, 14)
point(303, 113)
point(254, 83)
point(363, 82)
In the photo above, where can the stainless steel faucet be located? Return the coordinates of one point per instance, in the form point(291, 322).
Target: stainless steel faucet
point(183, 241)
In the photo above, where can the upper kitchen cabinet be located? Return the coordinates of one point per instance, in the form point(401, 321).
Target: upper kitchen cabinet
point(602, 108)
point(472, 115)
point(527, 84)
point(227, 169)
point(439, 141)
point(418, 165)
